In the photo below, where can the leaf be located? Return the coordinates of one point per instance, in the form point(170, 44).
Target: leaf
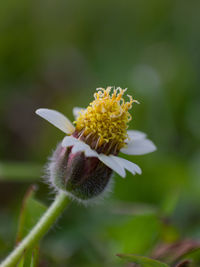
point(135, 233)
point(143, 261)
point(27, 259)
point(31, 211)
point(12, 171)
point(35, 257)
point(30, 259)
point(185, 263)
point(192, 255)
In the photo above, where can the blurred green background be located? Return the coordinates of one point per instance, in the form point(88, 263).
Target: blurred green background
point(54, 54)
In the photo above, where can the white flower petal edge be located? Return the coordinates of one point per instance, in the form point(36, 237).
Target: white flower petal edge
point(112, 164)
point(57, 119)
point(81, 146)
point(139, 147)
point(78, 146)
point(135, 135)
point(130, 166)
point(117, 164)
point(76, 111)
point(84, 147)
point(69, 141)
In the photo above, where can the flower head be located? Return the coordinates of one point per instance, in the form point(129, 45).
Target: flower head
point(105, 119)
point(83, 163)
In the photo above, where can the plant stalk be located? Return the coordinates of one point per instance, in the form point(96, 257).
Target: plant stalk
point(38, 231)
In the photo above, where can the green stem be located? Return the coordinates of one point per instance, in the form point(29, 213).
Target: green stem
point(38, 231)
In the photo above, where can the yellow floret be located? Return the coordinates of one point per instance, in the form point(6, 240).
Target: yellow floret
point(106, 117)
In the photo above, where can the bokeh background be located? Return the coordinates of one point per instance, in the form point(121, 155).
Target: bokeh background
point(54, 54)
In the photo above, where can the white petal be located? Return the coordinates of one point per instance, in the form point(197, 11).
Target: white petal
point(90, 153)
point(130, 166)
point(69, 141)
point(133, 135)
point(76, 111)
point(139, 147)
point(112, 164)
point(78, 146)
point(57, 119)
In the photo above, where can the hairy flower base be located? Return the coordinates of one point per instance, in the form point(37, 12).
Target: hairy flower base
point(83, 177)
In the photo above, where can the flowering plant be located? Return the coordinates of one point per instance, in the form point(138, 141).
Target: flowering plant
point(82, 164)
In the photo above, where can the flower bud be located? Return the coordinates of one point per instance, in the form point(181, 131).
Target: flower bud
point(81, 177)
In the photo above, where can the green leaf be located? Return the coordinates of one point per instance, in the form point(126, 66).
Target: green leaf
point(27, 259)
point(12, 171)
point(143, 229)
point(30, 258)
point(31, 211)
point(35, 257)
point(141, 260)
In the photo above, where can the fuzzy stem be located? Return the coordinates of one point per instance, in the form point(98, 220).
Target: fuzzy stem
point(38, 231)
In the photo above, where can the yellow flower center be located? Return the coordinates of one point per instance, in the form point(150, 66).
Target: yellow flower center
point(106, 118)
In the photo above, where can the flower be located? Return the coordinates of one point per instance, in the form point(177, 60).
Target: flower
point(99, 134)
